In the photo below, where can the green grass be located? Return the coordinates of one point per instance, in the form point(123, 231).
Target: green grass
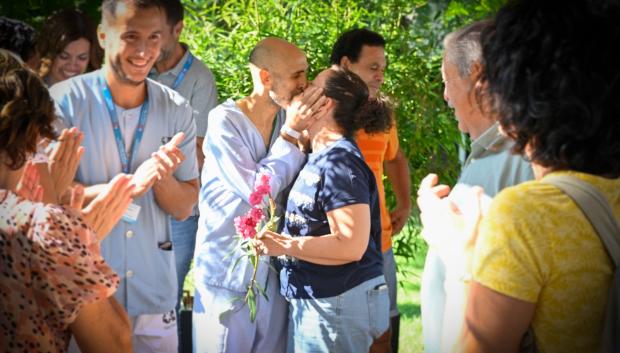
point(409, 276)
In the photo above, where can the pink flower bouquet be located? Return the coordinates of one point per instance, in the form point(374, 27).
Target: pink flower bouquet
point(262, 216)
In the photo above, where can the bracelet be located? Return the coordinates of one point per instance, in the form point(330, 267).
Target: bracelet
point(290, 132)
point(289, 139)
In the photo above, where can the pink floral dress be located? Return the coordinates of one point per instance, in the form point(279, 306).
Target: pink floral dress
point(50, 266)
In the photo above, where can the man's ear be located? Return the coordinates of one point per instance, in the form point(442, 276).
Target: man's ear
point(475, 76)
point(475, 71)
point(265, 78)
point(345, 62)
point(101, 36)
point(177, 29)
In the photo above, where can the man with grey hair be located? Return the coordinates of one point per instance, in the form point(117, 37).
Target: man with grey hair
point(490, 165)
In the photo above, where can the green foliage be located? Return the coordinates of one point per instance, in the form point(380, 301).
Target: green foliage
point(35, 12)
point(222, 34)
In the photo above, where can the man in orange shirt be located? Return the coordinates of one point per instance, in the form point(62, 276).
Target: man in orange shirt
point(363, 52)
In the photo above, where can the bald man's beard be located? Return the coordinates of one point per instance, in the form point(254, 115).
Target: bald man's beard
point(283, 100)
point(117, 69)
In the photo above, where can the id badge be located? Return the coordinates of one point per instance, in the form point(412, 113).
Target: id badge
point(131, 214)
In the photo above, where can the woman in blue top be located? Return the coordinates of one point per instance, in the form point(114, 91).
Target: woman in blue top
point(333, 275)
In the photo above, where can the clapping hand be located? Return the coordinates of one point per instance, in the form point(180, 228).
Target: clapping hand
point(65, 159)
point(108, 207)
point(448, 228)
point(28, 185)
point(440, 217)
point(161, 165)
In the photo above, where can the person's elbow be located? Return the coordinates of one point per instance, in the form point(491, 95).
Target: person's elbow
point(123, 344)
point(102, 326)
point(182, 214)
point(356, 248)
point(183, 210)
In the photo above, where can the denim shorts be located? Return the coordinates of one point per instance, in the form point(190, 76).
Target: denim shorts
point(348, 322)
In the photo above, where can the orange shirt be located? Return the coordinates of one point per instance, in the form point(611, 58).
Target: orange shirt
point(376, 149)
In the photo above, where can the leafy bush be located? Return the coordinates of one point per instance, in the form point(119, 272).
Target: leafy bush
point(35, 12)
point(222, 33)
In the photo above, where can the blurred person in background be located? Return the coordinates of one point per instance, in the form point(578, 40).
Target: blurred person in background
point(19, 38)
point(363, 52)
point(68, 46)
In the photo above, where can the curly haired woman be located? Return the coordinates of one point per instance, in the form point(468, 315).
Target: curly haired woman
point(53, 281)
point(552, 70)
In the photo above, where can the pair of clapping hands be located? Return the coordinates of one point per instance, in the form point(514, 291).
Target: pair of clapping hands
point(450, 218)
point(104, 211)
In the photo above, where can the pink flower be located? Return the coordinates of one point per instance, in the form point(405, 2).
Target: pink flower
point(256, 198)
point(264, 180)
point(246, 226)
point(249, 233)
point(239, 224)
point(262, 189)
point(256, 214)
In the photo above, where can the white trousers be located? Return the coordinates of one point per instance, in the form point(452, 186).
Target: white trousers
point(151, 333)
point(233, 332)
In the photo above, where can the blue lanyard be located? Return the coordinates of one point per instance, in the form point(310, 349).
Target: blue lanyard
point(137, 137)
point(186, 66)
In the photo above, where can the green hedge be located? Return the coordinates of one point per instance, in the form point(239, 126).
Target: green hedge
point(222, 33)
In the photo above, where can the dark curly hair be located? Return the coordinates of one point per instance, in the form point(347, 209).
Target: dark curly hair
point(18, 37)
point(553, 77)
point(62, 28)
point(26, 111)
point(354, 109)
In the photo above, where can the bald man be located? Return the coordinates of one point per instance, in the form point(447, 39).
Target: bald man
point(256, 134)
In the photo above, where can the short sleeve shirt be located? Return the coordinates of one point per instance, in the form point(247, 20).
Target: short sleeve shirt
point(537, 246)
point(376, 149)
point(197, 86)
point(137, 250)
point(334, 177)
point(51, 266)
point(492, 165)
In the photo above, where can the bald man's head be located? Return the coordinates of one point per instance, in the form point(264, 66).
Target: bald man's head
point(280, 67)
point(271, 51)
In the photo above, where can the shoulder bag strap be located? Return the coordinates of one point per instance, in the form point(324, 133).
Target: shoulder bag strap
point(596, 208)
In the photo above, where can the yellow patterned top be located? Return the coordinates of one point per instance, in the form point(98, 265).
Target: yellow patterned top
point(537, 246)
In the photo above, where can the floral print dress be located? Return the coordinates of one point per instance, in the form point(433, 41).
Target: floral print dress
point(50, 266)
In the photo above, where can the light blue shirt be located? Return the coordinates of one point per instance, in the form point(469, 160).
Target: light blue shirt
point(235, 154)
point(148, 276)
point(198, 87)
point(492, 165)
